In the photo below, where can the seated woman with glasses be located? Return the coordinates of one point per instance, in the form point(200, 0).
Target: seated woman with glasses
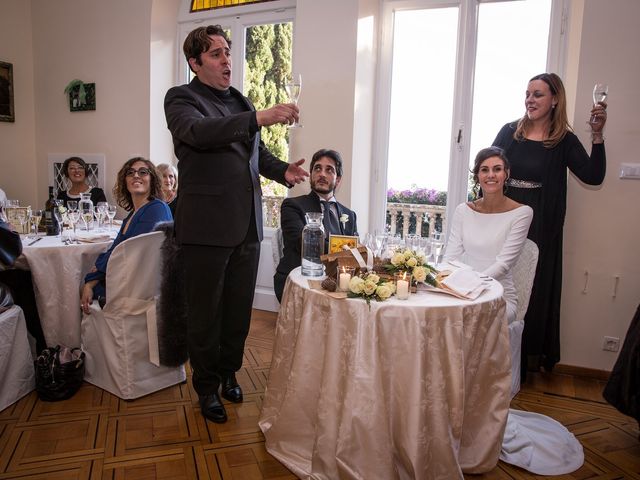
point(75, 170)
point(137, 190)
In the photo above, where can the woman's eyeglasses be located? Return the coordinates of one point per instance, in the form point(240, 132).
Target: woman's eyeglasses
point(142, 172)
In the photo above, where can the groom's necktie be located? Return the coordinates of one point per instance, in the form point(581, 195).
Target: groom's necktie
point(330, 219)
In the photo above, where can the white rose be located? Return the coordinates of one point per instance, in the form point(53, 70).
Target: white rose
point(384, 291)
point(369, 287)
point(420, 274)
point(412, 262)
point(421, 259)
point(397, 259)
point(373, 277)
point(344, 218)
point(356, 285)
point(408, 254)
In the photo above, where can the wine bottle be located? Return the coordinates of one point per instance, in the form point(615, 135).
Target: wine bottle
point(50, 221)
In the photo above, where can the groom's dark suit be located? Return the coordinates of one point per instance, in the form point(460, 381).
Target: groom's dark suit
point(218, 221)
point(292, 221)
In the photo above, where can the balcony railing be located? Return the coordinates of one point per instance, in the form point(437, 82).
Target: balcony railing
point(407, 218)
point(402, 218)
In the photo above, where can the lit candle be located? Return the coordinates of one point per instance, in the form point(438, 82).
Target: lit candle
point(402, 287)
point(343, 281)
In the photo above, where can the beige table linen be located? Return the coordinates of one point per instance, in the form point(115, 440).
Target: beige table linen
point(58, 272)
point(415, 389)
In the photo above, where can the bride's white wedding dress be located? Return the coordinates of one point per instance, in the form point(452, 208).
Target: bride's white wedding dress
point(491, 243)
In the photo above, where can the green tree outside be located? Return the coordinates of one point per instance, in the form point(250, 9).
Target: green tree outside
point(268, 66)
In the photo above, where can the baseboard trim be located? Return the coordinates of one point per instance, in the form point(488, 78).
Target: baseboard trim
point(581, 372)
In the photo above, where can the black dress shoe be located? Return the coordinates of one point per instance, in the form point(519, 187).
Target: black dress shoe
point(230, 389)
point(212, 408)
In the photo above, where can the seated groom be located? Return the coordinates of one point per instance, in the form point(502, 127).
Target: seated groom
point(326, 172)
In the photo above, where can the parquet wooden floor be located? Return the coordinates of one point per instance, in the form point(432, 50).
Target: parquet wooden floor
point(95, 435)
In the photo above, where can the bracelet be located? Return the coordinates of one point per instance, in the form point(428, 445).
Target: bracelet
point(597, 136)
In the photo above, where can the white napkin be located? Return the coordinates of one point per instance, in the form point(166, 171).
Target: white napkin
point(465, 283)
point(90, 237)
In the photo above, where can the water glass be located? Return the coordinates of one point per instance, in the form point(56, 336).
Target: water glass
point(437, 247)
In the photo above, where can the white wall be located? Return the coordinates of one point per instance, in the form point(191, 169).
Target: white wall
point(163, 53)
point(95, 41)
point(603, 225)
point(17, 153)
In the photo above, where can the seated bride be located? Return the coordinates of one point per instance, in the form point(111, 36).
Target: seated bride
point(489, 233)
point(137, 190)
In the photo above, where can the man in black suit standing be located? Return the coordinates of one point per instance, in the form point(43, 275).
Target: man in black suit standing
point(326, 173)
point(218, 221)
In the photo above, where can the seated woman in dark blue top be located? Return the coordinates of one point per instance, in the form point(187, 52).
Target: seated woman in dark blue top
point(137, 190)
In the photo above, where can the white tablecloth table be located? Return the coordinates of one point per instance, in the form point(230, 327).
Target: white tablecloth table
point(415, 389)
point(58, 272)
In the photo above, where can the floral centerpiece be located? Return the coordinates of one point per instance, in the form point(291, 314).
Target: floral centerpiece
point(407, 260)
point(369, 285)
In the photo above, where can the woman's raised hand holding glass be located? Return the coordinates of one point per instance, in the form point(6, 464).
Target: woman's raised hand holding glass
point(600, 92)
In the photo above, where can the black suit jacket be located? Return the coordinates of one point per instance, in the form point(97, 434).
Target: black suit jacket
point(220, 158)
point(292, 221)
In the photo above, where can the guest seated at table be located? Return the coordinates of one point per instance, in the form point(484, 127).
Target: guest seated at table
point(75, 170)
point(19, 283)
point(137, 190)
point(326, 173)
point(169, 185)
point(489, 233)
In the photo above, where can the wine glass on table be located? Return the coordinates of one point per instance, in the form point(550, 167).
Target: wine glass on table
point(36, 216)
point(600, 92)
point(101, 211)
point(293, 88)
point(73, 215)
point(111, 213)
point(22, 216)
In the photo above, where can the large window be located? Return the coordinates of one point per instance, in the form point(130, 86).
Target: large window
point(452, 73)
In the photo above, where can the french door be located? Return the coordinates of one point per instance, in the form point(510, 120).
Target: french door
point(451, 74)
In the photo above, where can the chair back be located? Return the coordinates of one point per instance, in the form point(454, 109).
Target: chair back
point(277, 246)
point(133, 269)
point(523, 273)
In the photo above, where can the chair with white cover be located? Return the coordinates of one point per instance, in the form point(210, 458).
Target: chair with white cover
point(121, 341)
point(17, 375)
point(523, 274)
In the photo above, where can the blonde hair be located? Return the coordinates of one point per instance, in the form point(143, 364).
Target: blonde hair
point(163, 167)
point(559, 125)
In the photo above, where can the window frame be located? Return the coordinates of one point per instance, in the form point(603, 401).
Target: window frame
point(236, 19)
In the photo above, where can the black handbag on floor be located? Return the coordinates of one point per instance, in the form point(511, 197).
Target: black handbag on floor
point(59, 373)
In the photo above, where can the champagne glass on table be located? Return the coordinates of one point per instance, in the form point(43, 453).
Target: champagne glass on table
point(101, 211)
point(73, 215)
point(293, 88)
point(600, 92)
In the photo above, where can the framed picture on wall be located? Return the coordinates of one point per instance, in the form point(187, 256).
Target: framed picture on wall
point(7, 113)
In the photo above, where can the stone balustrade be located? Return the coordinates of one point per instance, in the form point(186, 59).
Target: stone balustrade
point(400, 216)
point(427, 218)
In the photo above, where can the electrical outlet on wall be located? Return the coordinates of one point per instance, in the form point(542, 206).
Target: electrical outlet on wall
point(611, 344)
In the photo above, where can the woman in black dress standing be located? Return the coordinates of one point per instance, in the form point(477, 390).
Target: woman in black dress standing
point(541, 146)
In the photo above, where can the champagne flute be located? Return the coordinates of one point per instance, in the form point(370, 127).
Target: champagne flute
point(600, 92)
point(293, 87)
